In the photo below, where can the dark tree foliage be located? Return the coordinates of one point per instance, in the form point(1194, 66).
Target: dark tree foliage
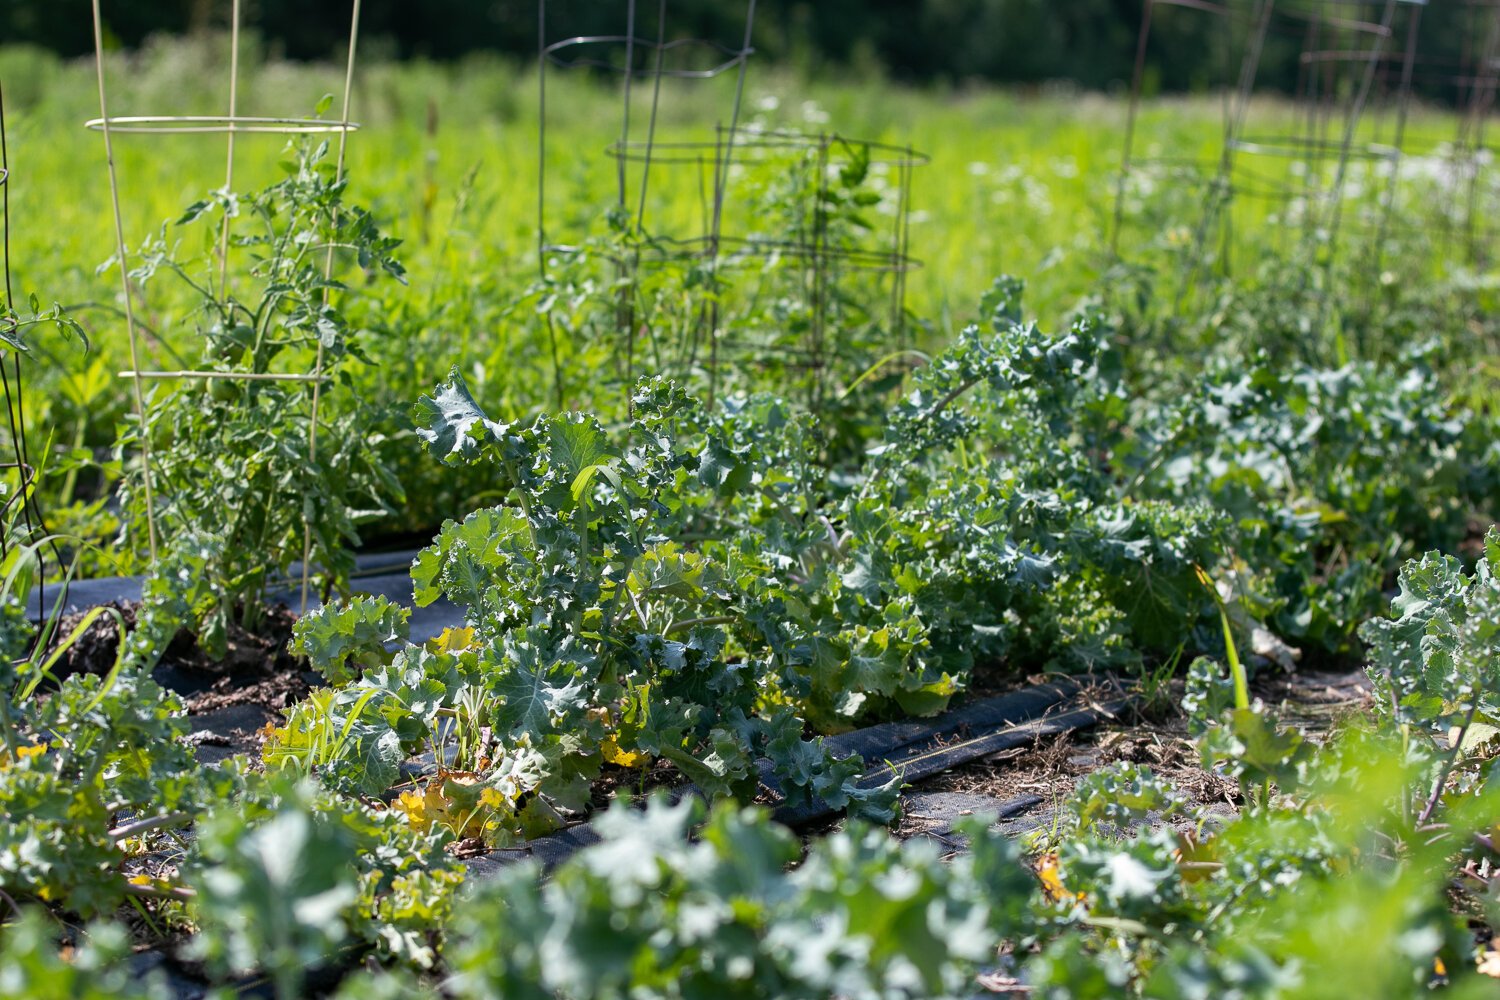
point(1088, 42)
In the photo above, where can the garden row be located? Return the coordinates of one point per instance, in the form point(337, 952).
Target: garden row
point(692, 592)
point(666, 592)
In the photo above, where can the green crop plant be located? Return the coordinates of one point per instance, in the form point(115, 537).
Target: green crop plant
point(698, 588)
point(591, 637)
point(86, 765)
point(235, 472)
point(284, 876)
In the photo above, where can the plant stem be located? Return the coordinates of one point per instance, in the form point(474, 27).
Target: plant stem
point(687, 625)
point(1458, 742)
point(159, 892)
point(7, 727)
point(147, 825)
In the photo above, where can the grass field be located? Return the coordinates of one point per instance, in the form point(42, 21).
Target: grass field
point(1017, 182)
point(1013, 183)
point(447, 159)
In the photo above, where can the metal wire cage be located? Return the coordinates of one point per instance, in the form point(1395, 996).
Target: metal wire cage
point(637, 60)
point(1357, 63)
point(731, 243)
point(1196, 171)
point(231, 125)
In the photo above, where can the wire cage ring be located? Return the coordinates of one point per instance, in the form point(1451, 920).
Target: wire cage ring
point(1294, 147)
point(218, 125)
point(759, 146)
point(732, 57)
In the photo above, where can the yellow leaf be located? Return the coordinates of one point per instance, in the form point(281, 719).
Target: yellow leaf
point(414, 805)
point(434, 806)
point(452, 640)
point(1051, 879)
point(144, 880)
point(22, 755)
point(610, 748)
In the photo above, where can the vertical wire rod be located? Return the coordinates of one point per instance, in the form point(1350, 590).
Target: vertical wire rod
point(541, 138)
point(17, 431)
point(1137, 78)
point(625, 107)
point(1220, 191)
point(234, 83)
point(1484, 102)
point(721, 183)
point(1398, 141)
point(312, 431)
point(541, 188)
point(640, 217)
point(661, 45)
point(135, 364)
point(625, 274)
point(31, 511)
point(1351, 123)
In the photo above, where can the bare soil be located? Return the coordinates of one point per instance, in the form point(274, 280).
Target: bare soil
point(229, 700)
point(1033, 782)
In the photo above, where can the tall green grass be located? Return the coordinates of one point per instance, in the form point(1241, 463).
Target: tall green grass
point(447, 157)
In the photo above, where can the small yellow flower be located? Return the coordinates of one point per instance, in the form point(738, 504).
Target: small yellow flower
point(22, 755)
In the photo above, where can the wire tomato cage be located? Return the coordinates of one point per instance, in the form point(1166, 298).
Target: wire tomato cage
point(231, 125)
point(724, 238)
point(1359, 68)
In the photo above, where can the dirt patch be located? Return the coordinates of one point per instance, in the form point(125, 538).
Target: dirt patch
point(184, 666)
point(1050, 769)
point(1046, 770)
point(1315, 699)
point(277, 691)
point(228, 700)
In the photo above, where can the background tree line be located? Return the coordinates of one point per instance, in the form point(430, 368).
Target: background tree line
point(1088, 42)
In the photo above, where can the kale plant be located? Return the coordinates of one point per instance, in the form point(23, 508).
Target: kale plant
point(1331, 477)
point(654, 912)
point(592, 635)
point(1436, 662)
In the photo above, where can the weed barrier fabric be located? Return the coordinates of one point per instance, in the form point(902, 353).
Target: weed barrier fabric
point(914, 749)
point(380, 574)
point(929, 757)
point(911, 749)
